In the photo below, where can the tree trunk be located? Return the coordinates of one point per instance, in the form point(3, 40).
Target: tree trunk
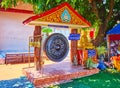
point(104, 17)
point(101, 34)
point(37, 50)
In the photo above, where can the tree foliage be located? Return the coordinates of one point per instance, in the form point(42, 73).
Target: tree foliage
point(102, 14)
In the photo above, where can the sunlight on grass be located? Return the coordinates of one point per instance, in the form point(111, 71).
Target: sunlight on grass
point(107, 81)
point(92, 80)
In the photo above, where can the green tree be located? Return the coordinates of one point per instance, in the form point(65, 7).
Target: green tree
point(102, 14)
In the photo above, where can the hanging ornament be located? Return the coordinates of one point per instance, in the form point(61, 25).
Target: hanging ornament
point(91, 34)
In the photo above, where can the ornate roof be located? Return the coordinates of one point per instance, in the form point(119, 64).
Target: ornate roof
point(62, 15)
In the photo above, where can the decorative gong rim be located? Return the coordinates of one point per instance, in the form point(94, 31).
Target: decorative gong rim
point(56, 47)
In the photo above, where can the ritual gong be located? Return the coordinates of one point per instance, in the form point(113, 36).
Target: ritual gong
point(56, 47)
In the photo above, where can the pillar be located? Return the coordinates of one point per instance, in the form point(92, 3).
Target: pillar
point(37, 50)
point(73, 50)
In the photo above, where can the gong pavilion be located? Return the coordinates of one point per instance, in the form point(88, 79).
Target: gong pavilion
point(56, 46)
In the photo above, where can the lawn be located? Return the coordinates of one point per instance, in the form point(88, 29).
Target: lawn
point(104, 79)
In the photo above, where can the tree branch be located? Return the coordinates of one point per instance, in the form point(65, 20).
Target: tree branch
point(111, 5)
point(94, 8)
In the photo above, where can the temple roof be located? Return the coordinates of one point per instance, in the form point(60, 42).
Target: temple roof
point(62, 15)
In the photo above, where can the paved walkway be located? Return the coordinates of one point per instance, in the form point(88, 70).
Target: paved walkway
point(12, 71)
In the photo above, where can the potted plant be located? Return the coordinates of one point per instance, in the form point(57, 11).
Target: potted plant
point(101, 51)
point(89, 63)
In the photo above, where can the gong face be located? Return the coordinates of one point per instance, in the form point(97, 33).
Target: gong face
point(56, 47)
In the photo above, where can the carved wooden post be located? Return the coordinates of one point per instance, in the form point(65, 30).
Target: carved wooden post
point(37, 50)
point(73, 46)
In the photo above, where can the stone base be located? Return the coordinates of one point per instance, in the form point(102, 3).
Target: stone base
point(57, 73)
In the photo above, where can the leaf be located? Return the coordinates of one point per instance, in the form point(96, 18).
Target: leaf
point(66, 0)
point(57, 1)
point(47, 2)
point(46, 30)
point(14, 3)
point(101, 50)
point(25, 1)
point(2, 4)
point(74, 1)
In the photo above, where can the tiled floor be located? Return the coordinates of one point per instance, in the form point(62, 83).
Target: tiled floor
point(56, 73)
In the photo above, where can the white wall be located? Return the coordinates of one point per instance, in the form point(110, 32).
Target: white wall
point(13, 33)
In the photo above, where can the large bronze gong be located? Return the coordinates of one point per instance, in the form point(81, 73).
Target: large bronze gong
point(56, 47)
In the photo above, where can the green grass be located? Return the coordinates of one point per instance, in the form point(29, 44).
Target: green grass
point(104, 79)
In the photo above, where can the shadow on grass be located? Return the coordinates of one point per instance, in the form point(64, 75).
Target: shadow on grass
point(21, 82)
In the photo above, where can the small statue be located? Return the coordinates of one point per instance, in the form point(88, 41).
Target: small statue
point(101, 65)
point(84, 42)
point(75, 60)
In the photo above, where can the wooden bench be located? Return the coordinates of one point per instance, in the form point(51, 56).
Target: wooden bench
point(14, 58)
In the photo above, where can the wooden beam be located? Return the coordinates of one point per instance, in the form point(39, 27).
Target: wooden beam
point(16, 10)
